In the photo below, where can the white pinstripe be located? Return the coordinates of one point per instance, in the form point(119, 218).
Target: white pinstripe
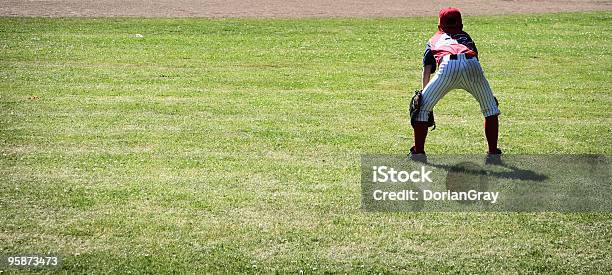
point(461, 73)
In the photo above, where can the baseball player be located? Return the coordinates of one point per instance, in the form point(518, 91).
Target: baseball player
point(452, 53)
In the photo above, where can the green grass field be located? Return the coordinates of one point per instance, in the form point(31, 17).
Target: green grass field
point(192, 145)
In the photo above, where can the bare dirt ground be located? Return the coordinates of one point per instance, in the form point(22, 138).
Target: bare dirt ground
point(286, 8)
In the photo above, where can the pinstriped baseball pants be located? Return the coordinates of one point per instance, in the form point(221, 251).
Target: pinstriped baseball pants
point(461, 73)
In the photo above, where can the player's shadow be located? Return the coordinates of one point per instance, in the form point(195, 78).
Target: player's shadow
point(511, 171)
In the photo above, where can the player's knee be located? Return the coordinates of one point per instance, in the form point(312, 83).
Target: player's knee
point(492, 117)
point(422, 115)
point(419, 124)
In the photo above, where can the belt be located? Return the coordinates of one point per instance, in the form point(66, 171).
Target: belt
point(455, 56)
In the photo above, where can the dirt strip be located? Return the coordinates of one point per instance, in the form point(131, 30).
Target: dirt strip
point(286, 8)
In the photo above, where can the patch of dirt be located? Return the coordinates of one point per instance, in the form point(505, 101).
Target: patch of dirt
point(286, 8)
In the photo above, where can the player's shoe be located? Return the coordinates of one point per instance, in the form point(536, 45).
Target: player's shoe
point(494, 158)
point(419, 157)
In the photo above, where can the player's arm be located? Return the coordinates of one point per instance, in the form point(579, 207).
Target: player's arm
point(429, 64)
point(470, 43)
point(427, 70)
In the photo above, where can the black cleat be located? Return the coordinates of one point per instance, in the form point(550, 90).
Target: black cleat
point(494, 158)
point(418, 157)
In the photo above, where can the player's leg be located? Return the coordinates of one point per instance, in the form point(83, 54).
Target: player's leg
point(491, 127)
point(476, 83)
point(445, 80)
point(437, 87)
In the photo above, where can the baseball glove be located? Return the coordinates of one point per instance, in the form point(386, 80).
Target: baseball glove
point(415, 106)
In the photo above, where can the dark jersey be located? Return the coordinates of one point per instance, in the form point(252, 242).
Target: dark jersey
point(442, 44)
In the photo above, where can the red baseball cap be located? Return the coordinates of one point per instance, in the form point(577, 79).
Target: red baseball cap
point(449, 20)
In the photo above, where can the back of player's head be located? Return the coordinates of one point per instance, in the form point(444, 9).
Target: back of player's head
point(449, 20)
